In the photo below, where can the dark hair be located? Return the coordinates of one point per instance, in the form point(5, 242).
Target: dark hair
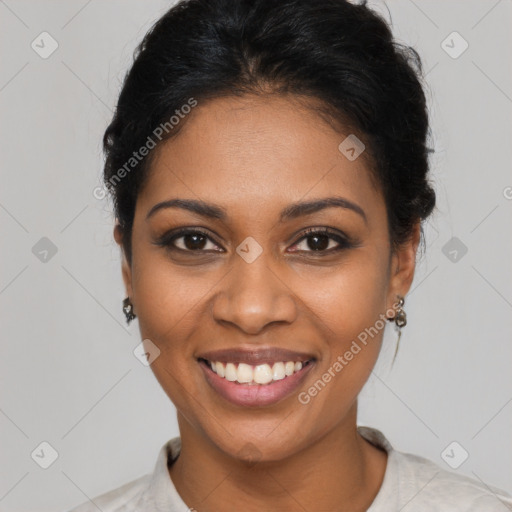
point(340, 55)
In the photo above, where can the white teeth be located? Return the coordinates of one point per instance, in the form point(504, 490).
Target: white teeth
point(260, 374)
point(244, 373)
point(219, 368)
point(231, 374)
point(278, 372)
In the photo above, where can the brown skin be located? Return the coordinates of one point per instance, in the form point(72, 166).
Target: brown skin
point(253, 156)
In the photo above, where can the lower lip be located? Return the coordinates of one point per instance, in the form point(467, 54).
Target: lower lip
point(255, 395)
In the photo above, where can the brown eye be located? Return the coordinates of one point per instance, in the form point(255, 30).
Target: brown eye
point(188, 240)
point(318, 242)
point(193, 241)
point(321, 240)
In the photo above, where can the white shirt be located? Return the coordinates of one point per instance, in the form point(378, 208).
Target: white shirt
point(411, 484)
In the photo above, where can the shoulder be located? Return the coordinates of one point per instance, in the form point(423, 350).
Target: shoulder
point(416, 484)
point(116, 499)
point(147, 492)
point(143, 492)
point(425, 485)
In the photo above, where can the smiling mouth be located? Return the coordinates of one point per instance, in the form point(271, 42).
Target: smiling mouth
point(255, 375)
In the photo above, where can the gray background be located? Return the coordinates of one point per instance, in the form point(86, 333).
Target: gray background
point(68, 374)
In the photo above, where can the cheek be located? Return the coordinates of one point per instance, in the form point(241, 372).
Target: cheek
point(359, 300)
point(348, 307)
point(348, 298)
point(168, 298)
point(352, 329)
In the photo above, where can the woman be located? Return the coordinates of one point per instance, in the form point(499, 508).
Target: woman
point(268, 164)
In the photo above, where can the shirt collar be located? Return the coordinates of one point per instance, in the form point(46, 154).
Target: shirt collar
point(161, 495)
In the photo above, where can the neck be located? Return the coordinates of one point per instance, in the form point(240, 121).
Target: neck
point(340, 471)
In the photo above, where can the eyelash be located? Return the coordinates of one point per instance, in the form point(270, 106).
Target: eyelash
point(168, 239)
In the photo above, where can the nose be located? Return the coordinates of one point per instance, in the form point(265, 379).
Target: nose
point(253, 296)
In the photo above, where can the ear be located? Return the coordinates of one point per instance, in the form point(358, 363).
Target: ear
point(403, 265)
point(125, 266)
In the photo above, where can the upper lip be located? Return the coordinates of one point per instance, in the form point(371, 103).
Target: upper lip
point(254, 356)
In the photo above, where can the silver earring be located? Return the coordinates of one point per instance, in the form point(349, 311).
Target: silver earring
point(128, 310)
point(400, 320)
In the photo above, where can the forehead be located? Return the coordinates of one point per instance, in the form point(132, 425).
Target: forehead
point(257, 152)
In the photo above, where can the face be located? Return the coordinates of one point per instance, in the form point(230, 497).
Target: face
point(256, 279)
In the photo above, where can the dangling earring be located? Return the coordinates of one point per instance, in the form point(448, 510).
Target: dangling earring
point(400, 320)
point(128, 310)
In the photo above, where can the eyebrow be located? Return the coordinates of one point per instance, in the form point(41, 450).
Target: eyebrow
point(292, 211)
